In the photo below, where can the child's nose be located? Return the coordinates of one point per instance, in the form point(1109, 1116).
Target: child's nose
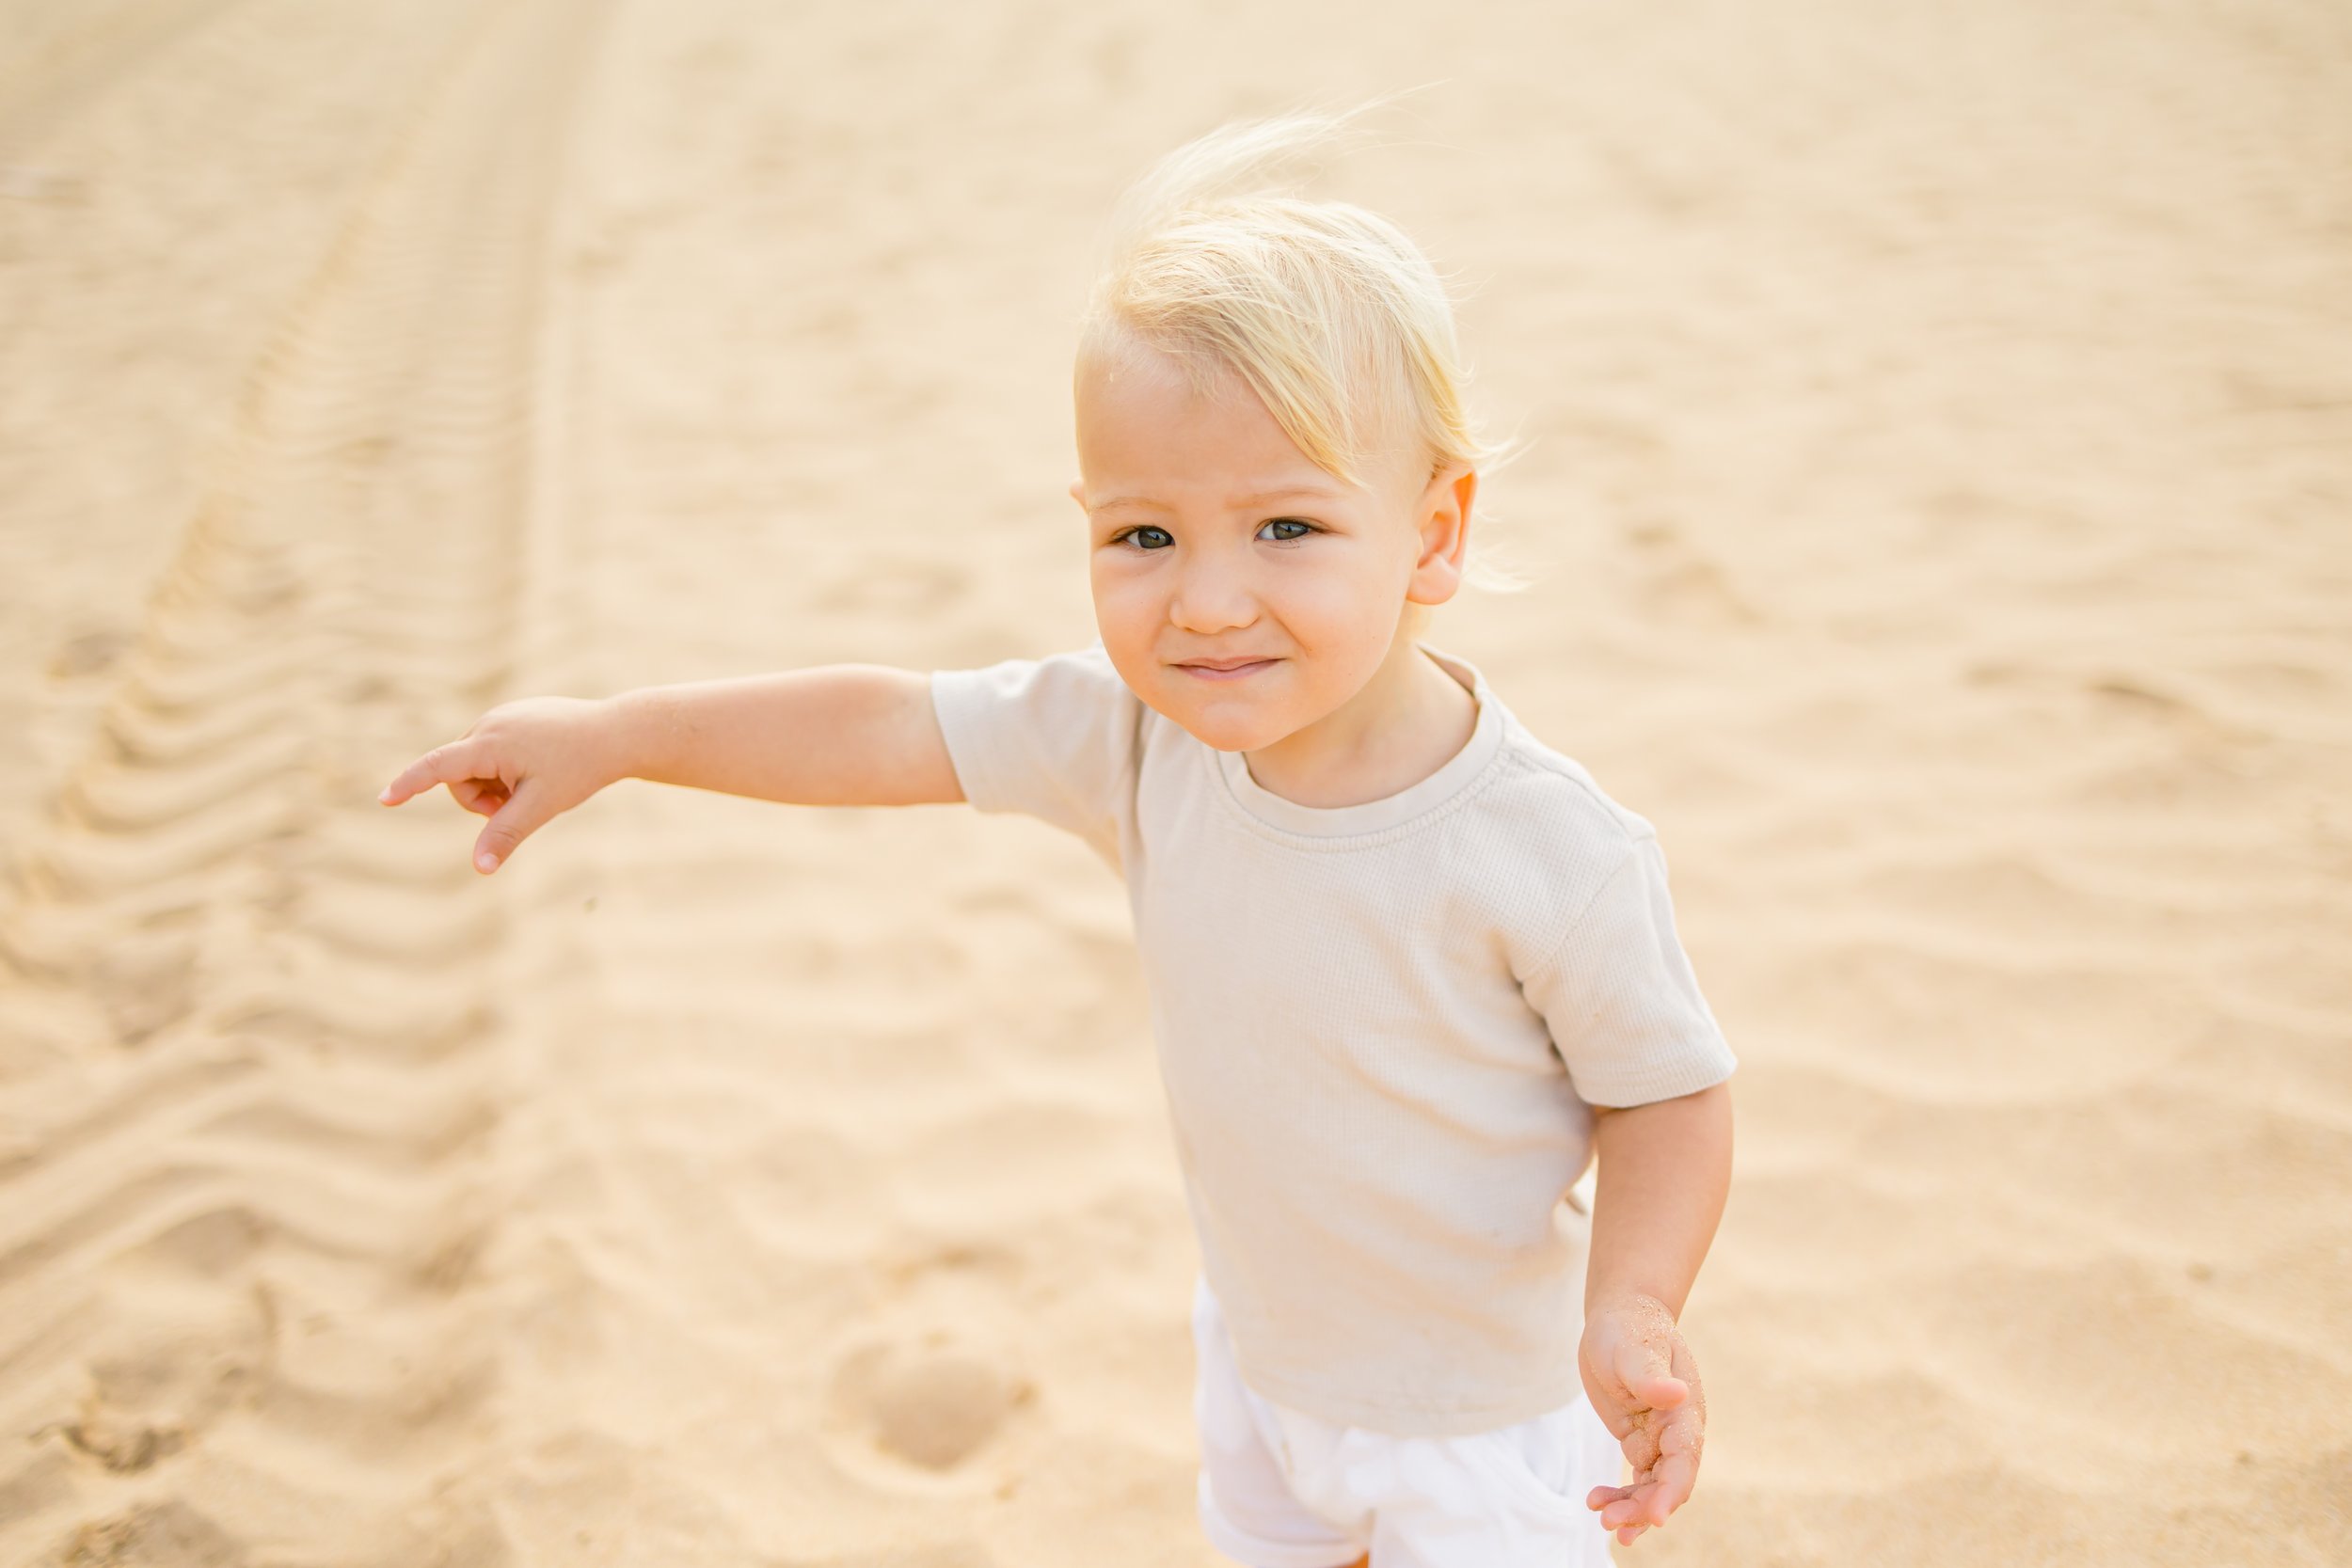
point(1211, 598)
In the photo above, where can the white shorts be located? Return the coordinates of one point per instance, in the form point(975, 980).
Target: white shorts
point(1281, 1489)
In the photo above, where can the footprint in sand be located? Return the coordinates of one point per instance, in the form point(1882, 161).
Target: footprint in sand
point(932, 1404)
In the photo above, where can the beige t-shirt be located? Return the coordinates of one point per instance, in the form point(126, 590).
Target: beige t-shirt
point(1381, 1026)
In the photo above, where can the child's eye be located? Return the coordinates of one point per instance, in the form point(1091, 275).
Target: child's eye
point(1147, 538)
point(1303, 528)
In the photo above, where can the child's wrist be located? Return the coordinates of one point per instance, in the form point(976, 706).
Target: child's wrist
point(634, 725)
point(1612, 1298)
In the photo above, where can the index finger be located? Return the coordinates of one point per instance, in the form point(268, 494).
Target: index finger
point(450, 764)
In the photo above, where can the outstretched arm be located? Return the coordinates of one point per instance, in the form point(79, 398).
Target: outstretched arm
point(1665, 1168)
point(837, 734)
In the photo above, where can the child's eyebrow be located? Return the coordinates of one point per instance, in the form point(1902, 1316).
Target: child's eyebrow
point(1237, 503)
point(1319, 492)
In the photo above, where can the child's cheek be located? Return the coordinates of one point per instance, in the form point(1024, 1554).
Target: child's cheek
point(1126, 605)
point(1342, 611)
point(1128, 619)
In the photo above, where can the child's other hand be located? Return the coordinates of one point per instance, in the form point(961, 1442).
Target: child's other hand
point(1641, 1379)
point(521, 765)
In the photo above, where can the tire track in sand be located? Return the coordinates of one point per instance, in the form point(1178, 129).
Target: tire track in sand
point(48, 79)
point(240, 1313)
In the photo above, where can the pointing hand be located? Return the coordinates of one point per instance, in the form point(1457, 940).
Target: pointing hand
point(521, 765)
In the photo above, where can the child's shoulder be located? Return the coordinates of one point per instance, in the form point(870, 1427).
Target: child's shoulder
point(1551, 838)
point(1534, 791)
point(1551, 796)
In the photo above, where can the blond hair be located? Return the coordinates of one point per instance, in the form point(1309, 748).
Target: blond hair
point(1327, 311)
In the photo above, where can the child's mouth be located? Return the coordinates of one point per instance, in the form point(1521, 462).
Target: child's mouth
point(1239, 672)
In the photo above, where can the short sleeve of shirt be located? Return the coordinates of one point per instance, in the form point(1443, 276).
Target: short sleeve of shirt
point(1623, 1007)
point(1055, 739)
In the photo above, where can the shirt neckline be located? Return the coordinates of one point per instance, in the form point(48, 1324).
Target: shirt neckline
point(1388, 811)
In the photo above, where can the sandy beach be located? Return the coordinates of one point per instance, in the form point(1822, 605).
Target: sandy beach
point(1938, 520)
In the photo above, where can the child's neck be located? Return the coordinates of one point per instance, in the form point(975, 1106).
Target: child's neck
point(1408, 720)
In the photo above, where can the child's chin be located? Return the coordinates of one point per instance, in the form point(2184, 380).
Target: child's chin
point(1228, 731)
point(1224, 719)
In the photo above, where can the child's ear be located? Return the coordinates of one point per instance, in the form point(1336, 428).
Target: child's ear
point(1442, 515)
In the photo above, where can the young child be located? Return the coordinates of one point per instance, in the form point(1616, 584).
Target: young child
point(1410, 970)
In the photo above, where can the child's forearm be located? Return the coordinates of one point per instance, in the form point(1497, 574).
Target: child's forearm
point(1665, 1168)
point(835, 735)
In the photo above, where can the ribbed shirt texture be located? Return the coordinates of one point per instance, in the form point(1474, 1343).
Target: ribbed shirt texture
point(1381, 1028)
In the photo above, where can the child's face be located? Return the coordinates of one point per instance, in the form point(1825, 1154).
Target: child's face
point(1215, 540)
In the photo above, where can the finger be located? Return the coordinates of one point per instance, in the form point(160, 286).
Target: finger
point(1645, 1367)
point(1686, 1370)
point(1678, 1469)
point(1633, 1509)
point(1601, 1497)
point(1641, 1445)
point(1662, 1393)
point(1676, 1474)
point(458, 760)
point(515, 821)
point(1655, 1494)
point(479, 796)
